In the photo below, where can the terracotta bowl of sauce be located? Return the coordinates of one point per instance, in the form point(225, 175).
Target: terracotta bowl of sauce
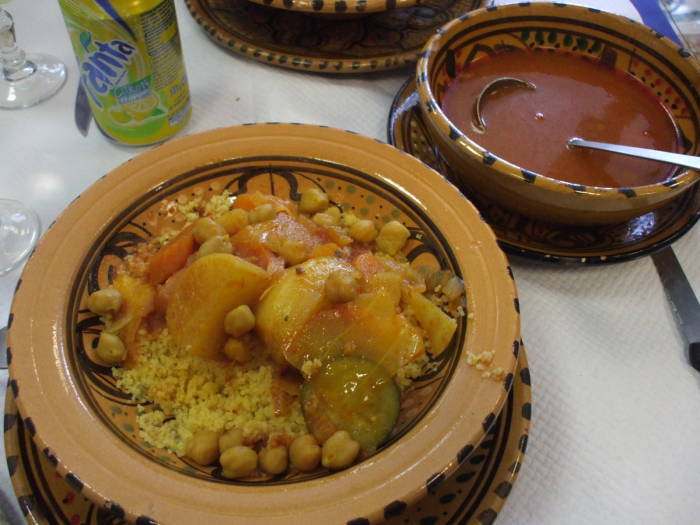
point(598, 76)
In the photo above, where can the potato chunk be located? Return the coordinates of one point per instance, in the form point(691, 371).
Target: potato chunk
point(205, 292)
point(290, 302)
point(438, 326)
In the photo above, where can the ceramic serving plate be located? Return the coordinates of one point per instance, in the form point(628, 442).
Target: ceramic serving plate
point(376, 42)
point(338, 8)
point(87, 427)
point(474, 494)
point(540, 240)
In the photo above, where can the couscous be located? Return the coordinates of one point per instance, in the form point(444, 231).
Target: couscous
point(270, 336)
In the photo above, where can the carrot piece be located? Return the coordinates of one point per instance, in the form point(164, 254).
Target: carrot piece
point(324, 250)
point(245, 201)
point(171, 257)
point(248, 201)
point(368, 264)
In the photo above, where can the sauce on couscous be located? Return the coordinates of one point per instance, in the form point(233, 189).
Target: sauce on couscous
point(269, 336)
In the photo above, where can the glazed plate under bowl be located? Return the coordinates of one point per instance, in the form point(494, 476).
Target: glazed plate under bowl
point(87, 427)
point(669, 72)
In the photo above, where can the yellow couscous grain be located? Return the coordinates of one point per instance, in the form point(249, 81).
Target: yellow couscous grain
point(190, 394)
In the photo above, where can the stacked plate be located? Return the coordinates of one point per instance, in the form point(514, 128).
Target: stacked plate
point(327, 36)
point(75, 450)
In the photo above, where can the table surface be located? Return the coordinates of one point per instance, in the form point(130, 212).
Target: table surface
point(616, 408)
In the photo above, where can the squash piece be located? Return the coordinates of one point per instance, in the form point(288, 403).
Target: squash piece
point(439, 326)
point(352, 394)
point(368, 327)
point(139, 301)
point(204, 293)
point(291, 301)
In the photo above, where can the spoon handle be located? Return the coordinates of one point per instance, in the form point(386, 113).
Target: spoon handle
point(688, 161)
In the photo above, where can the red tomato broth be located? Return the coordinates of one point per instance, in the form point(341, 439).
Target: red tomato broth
point(574, 97)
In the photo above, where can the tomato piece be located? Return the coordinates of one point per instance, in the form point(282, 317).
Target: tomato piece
point(368, 264)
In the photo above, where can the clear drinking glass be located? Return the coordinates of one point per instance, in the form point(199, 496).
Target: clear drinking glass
point(19, 231)
point(26, 79)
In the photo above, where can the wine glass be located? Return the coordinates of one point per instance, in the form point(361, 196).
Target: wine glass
point(27, 79)
point(19, 231)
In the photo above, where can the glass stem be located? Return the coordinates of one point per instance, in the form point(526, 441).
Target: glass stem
point(14, 64)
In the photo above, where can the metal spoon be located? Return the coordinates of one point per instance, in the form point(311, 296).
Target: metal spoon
point(492, 87)
point(679, 159)
point(687, 161)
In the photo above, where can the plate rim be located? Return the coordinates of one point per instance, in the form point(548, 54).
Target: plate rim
point(491, 502)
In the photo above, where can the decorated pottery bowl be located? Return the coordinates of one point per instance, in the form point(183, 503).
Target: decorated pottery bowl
point(337, 8)
point(89, 428)
point(669, 75)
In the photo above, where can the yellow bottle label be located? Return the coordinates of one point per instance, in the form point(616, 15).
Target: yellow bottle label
point(130, 61)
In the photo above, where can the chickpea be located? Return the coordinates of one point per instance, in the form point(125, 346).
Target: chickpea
point(236, 350)
point(339, 450)
point(348, 219)
point(262, 213)
point(239, 321)
point(363, 231)
point(218, 244)
point(341, 286)
point(304, 453)
point(392, 237)
point(110, 349)
point(334, 212)
point(273, 460)
point(313, 200)
point(104, 302)
point(203, 448)
point(293, 252)
point(233, 221)
point(324, 219)
point(238, 462)
point(205, 228)
point(231, 438)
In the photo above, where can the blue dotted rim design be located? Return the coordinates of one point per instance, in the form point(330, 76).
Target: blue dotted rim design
point(475, 493)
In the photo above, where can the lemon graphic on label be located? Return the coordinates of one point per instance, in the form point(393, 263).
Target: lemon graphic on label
point(118, 115)
point(142, 108)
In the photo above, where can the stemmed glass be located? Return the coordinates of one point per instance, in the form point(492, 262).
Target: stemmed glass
point(19, 231)
point(26, 79)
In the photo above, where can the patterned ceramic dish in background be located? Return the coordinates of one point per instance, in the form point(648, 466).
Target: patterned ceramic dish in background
point(87, 427)
point(376, 42)
point(338, 8)
point(670, 72)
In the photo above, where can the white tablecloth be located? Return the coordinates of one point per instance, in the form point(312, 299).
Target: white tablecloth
point(616, 407)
